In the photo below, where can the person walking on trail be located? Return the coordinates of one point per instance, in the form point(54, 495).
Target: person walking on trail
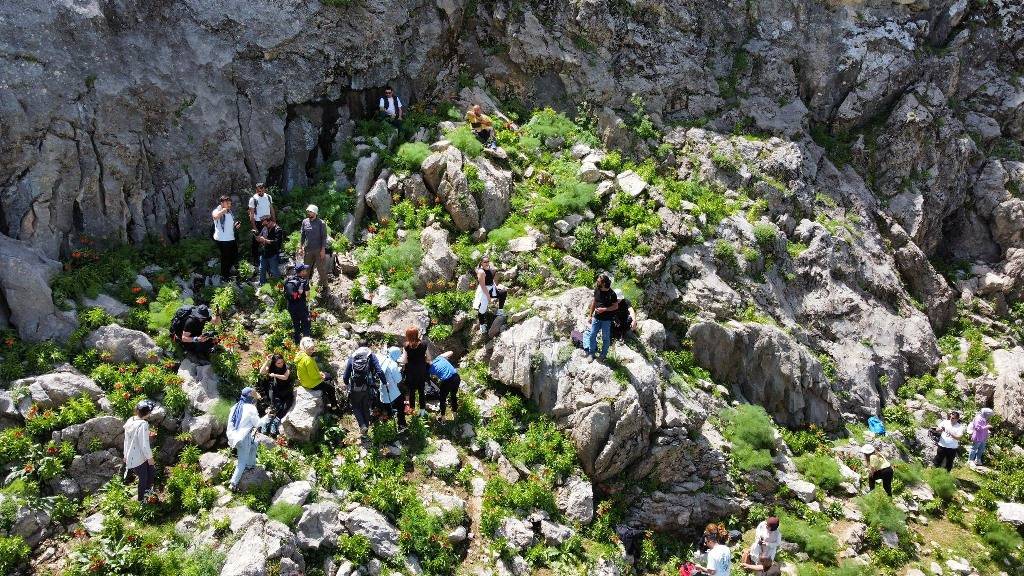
point(719, 562)
point(391, 392)
point(261, 205)
point(270, 239)
point(878, 468)
point(296, 292)
point(767, 540)
point(241, 433)
point(391, 107)
point(950, 431)
point(279, 390)
point(310, 376)
point(482, 125)
point(448, 381)
point(138, 454)
point(192, 335)
point(602, 313)
point(313, 245)
point(487, 288)
point(362, 378)
point(979, 430)
point(224, 227)
point(416, 359)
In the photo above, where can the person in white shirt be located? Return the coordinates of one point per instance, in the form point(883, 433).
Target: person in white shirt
point(138, 455)
point(767, 540)
point(260, 204)
point(950, 431)
point(390, 394)
point(224, 227)
point(390, 106)
point(241, 432)
point(719, 557)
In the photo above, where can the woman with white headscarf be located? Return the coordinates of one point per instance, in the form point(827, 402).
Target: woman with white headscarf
point(979, 431)
point(241, 432)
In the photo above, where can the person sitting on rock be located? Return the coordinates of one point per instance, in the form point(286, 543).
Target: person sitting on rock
point(241, 433)
point(296, 294)
point(138, 454)
point(448, 381)
point(878, 468)
point(310, 376)
point(391, 397)
point(482, 125)
point(487, 288)
point(764, 566)
point(602, 312)
point(624, 323)
point(391, 108)
point(363, 378)
point(279, 391)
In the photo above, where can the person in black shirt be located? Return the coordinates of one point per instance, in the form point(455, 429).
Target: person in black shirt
point(296, 291)
point(281, 394)
point(602, 312)
point(192, 337)
point(624, 323)
point(270, 238)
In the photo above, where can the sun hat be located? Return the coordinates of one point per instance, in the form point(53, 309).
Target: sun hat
point(867, 449)
point(312, 208)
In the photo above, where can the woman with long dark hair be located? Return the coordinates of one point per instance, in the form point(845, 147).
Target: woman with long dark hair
point(417, 367)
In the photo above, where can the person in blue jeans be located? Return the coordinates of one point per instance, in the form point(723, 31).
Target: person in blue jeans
point(602, 312)
point(270, 239)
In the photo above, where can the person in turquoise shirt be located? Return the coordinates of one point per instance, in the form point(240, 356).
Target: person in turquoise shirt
point(448, 381)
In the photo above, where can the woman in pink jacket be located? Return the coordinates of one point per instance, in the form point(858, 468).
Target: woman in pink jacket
point(979, 431)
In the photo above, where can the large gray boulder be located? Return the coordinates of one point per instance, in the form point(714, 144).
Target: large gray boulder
point(301, 422)
point(200, 384)
point(375, 527)
point(108, 431)
point(769, 368)
point(319, 526)
point(262, 543)
point(25, 274)
point(33, 525)
point(93, 470)
point(53, 389)
point(124, 344)
point(1008, 400)
point(439, 262)
point(494, 200)
point(394, 321)
point(576, 500)
point(455, 194)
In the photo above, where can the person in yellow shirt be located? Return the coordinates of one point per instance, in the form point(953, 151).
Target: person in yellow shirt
point(879, 468)
point(482, 125)
point(309, 374)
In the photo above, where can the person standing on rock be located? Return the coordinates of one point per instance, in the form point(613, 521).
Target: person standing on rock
point(602, 313)
point(309, 374)
point(296, 291)
point(416, 359)
point(448, 381)
point(362, 378)
point(979, 431)
point(279, 389)
point(878, 467)
point(482, 125)
point(241, 433)
point(224, 227)
point(138, 454)
point(391, 393)
point(391, 108)
point(719, 561)
point(269, 239)
point(487, 288)
point(950, 431)
point(313, 245)
point(261, 205)
point(624, 323)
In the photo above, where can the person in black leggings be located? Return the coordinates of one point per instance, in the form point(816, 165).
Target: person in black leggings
point(487, 289)
point(879, 469)
point(417, 367)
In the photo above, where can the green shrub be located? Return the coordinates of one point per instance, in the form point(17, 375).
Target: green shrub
point(725, 253)
point(908, 473)
point(443, 306)
point(751, 432)
point(802, 442)
point(547, 123)
point(285, 513)
point(1005, 541)
point(425, 535)
point(354, 548)
point(765, 234)
point(942, 483)
point(187, 490)
point(821, 469)
point(880, 513)
point(203, 561)
point(387, 260)
point(545, 445)
point(13, 553)
point(568, 197)
point(163, 308)
point(410, 156)
point(463, 139)
point(814, 539)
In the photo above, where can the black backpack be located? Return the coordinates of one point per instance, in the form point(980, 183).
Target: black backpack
point(360, 378)
point(178, 321)
point(291, 288)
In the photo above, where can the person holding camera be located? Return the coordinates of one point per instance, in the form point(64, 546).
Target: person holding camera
point(269, 238)
point(193, 337)
point(224, 227)
point(949, 432)
point(261, 205)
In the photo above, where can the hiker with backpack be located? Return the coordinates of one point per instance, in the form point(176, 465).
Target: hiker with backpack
point(487, 289)
point(138, 454)
point(362, 378)
point(224, 227)
point(270, 239)
point(602, 313)
point(261, 205)
point(391, 397)
point(623, 323)
point(313, 245)
point(878, 468)
point(448, 381)
point(278, 378)
point(296, 292)
point(390, 107)
point(310, 376)
point(416, 359)
point(241, 432)
point(187, 328)
point(482, 125)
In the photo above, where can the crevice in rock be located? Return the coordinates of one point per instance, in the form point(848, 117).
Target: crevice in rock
point(101, 187)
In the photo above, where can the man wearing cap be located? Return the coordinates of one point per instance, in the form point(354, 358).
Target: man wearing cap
point(261, 205)
point(878, 468)
point(313, 244)
point(224, 227)
point(296, 287)
point(270, 239)
point(138, 455)
point(767, 540)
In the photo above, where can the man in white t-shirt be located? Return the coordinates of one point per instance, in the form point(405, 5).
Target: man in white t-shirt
point(390, 106)
point(260, 204)
point(767, 540)
point(950, 432)
point(224, 227)
point(719, 557)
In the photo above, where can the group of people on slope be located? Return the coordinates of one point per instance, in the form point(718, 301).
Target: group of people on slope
point(715, 554)
point(391, 110)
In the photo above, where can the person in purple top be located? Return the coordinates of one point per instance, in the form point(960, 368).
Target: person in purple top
point(979, 431)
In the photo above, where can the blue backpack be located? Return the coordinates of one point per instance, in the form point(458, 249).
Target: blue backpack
point(876, 426)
